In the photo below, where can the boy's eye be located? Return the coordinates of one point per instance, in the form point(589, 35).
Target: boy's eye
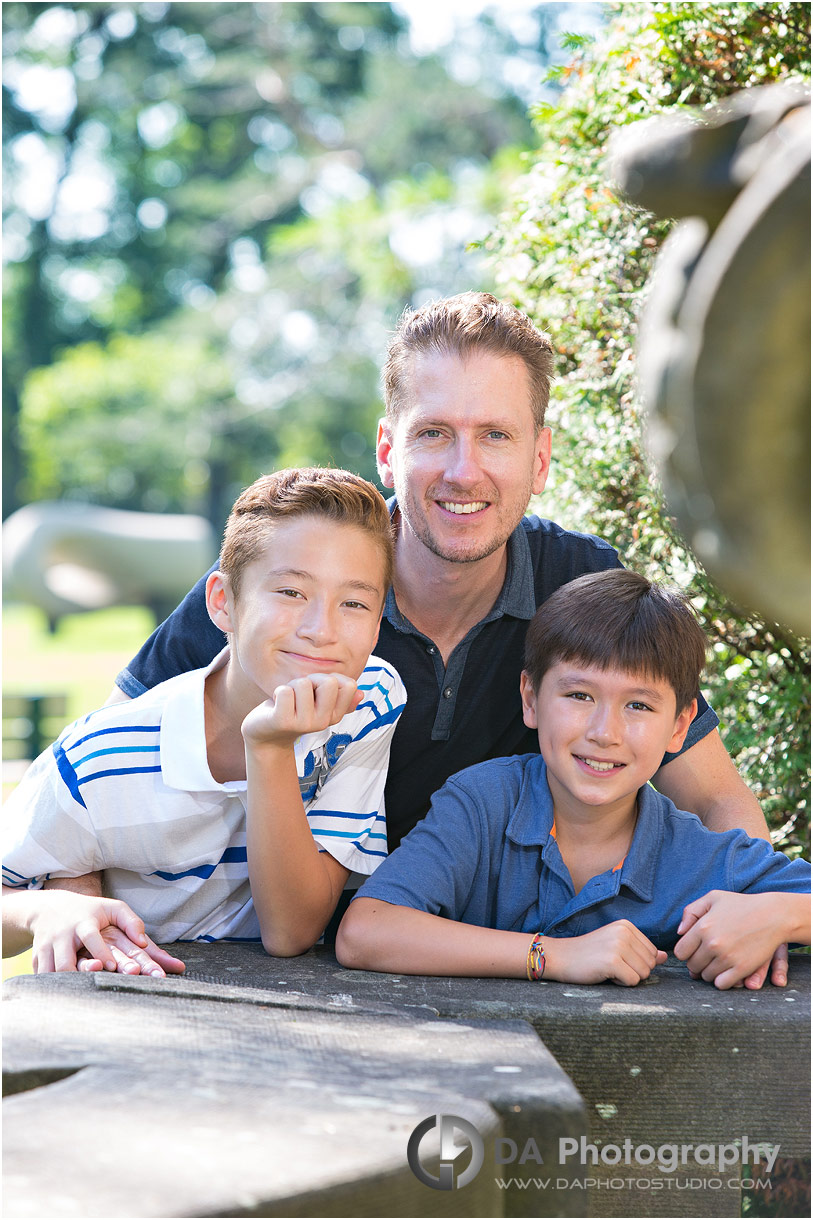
point(578, 694)
point(638, 706)
point(290, 592)
point(356, 605)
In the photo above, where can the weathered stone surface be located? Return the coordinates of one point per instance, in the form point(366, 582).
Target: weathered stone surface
point(188, 1097)
point(672, 1061)
point(290, 1086)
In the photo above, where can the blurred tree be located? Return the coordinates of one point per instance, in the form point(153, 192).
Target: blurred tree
point(151, 149)
point(576, 258)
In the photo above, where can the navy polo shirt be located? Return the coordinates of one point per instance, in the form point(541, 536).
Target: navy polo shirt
point(455, 716)
point(485, 855)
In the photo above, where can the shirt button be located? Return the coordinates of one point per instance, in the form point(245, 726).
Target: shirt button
point(448, 692)
point(431, 650)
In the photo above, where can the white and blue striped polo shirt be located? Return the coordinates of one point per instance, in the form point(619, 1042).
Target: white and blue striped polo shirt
point(128, 790)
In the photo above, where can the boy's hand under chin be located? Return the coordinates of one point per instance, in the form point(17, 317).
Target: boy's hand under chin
point(306, 705)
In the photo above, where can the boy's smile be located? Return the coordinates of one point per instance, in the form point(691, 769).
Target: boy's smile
point(310, 603)
point(602, 733)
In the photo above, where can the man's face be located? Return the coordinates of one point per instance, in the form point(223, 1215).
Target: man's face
point(463, 455)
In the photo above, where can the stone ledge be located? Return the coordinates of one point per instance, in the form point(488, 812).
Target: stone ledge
point(184, 1097)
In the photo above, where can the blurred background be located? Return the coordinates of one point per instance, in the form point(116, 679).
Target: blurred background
point(213, 216)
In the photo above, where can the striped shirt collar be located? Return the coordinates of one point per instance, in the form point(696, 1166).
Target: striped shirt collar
point(184, 764)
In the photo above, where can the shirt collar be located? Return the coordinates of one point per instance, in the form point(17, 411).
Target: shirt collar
point(517, 597)
point(184, 764)
point(530, 826)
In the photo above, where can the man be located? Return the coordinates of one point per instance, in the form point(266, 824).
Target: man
point(464, 447)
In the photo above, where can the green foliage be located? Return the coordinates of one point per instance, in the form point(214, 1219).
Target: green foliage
point(576, 258)
point(153, 151)
point(113, 449)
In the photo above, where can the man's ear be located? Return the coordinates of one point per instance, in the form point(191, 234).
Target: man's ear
point(682, 727)
point(528, 695)
point(218, 600)
point(541, 460)
point(383, 453)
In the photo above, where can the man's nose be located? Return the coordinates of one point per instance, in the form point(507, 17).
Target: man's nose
point(462, 464)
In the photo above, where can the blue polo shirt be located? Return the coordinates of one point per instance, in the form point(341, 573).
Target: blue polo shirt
point(485, 855)
point(456, 715)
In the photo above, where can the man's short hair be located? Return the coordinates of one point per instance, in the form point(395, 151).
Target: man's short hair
point(313, 491)
point(460, 325)
point(619, 620)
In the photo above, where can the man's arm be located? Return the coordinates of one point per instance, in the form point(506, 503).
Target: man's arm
point(704, 780)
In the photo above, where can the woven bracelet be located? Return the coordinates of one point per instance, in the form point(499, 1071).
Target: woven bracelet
point(535, 964)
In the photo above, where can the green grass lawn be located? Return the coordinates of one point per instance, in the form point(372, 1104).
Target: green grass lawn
point(80, 660)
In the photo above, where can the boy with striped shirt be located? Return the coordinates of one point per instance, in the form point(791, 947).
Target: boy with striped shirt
point(232, 802)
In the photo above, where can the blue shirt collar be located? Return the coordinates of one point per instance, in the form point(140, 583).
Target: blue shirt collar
point(517, 597)
point(530, 826)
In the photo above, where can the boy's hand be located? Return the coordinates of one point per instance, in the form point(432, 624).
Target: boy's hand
point(64, 923)
point(727, 938)
point(131, 958)
point(618, 951)
point(305, 705)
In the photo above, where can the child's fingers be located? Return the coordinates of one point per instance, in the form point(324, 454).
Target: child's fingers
point(88, 933)
point(779, 967)
point(688, 944)
point(87, 965)
point(299, 711)
point(124, 964)
point(168, 963)
point(130, 923)
point(635, 954)
point(42, 958)
point(334, 696)
point(119, 944)
point(285, 703)
point(694, 911)
point(64, 950)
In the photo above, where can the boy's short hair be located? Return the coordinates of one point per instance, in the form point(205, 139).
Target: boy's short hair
point(461, 325)
point(314, 491)
point(619, 620)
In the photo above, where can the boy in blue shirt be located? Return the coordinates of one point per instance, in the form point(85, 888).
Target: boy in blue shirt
point(568, 865)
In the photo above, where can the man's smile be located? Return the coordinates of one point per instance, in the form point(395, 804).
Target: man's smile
point(460, 507)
